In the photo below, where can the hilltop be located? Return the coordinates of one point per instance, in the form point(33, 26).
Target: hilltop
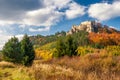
point(92, 26)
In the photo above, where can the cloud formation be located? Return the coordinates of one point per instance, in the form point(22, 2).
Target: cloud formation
point(38, 12)
point(75, 11)
point(104, 11)
point(18, 17)
point(12, 11)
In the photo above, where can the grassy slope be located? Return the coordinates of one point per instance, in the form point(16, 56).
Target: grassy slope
point(9, 71)
point(48, 46)
point(96, 66)
point(89, 67)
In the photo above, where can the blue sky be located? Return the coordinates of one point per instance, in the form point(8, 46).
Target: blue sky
point(46, 17)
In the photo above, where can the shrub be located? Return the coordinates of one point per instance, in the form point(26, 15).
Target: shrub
point(71, 46)
point(65, 47)
point(113, 50)
point(43, 54)
point(60, 48)
point(84, 50)
point(81, 38)
point(97, 45)
point(105, 39)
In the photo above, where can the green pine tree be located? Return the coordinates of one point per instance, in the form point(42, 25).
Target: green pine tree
point(66, 46)
point(70, 45)
point(60, 47)
point(11, 51)
point(27, 51)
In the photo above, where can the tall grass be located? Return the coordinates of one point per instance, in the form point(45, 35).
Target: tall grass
point(89, 67)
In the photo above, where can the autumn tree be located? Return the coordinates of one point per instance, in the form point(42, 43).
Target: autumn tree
point(105, 39)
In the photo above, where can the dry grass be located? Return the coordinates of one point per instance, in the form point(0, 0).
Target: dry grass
point(10, 71)
point(4, 64)
point(89, 67)
point(96, 66)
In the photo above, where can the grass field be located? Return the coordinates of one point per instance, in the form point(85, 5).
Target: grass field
point(89, 67)
point(9, 71)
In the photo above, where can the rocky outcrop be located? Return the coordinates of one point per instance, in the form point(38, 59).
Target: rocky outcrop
point(88, 26)
point(92, 26)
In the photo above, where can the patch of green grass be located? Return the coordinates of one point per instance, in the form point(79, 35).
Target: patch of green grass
point(20, 75)
point(48, 46)
point(14, 74)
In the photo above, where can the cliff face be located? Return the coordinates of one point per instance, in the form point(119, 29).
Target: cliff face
point(88, 26)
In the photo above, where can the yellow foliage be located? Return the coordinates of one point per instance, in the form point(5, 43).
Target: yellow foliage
point(113, 50)
point(84, 50)
point(44, 54)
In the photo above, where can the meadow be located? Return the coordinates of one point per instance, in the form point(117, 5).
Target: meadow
point(96, 66)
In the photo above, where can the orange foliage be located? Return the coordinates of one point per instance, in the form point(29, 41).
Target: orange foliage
point(105, 38)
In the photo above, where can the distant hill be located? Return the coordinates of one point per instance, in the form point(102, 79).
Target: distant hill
point(92, 26)
point(87, 26)
point(40, 40)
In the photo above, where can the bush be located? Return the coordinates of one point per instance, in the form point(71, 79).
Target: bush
point(60, 48)
point(113, 50)
point(43, 54)
point(65, 47)
point(81, 51)
point(97, 45)
point(81, 38)
point(71, 46)
point(105, 39)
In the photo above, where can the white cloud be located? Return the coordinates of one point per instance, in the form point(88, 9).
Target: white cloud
point(59, 4)
point(3, 39)
point(43, 17)
point(104, 11)
point(47, 15)
point(20, 36)
point(18, 17)
point(75, 11)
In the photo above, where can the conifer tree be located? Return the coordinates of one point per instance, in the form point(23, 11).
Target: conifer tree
point(11, 51)
point(27, 51)
point(71, 46)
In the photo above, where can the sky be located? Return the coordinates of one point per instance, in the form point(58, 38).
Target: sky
point(46, 17)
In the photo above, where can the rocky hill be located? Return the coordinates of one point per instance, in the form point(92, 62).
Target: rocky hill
point(88, 26)
point(91, 26)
